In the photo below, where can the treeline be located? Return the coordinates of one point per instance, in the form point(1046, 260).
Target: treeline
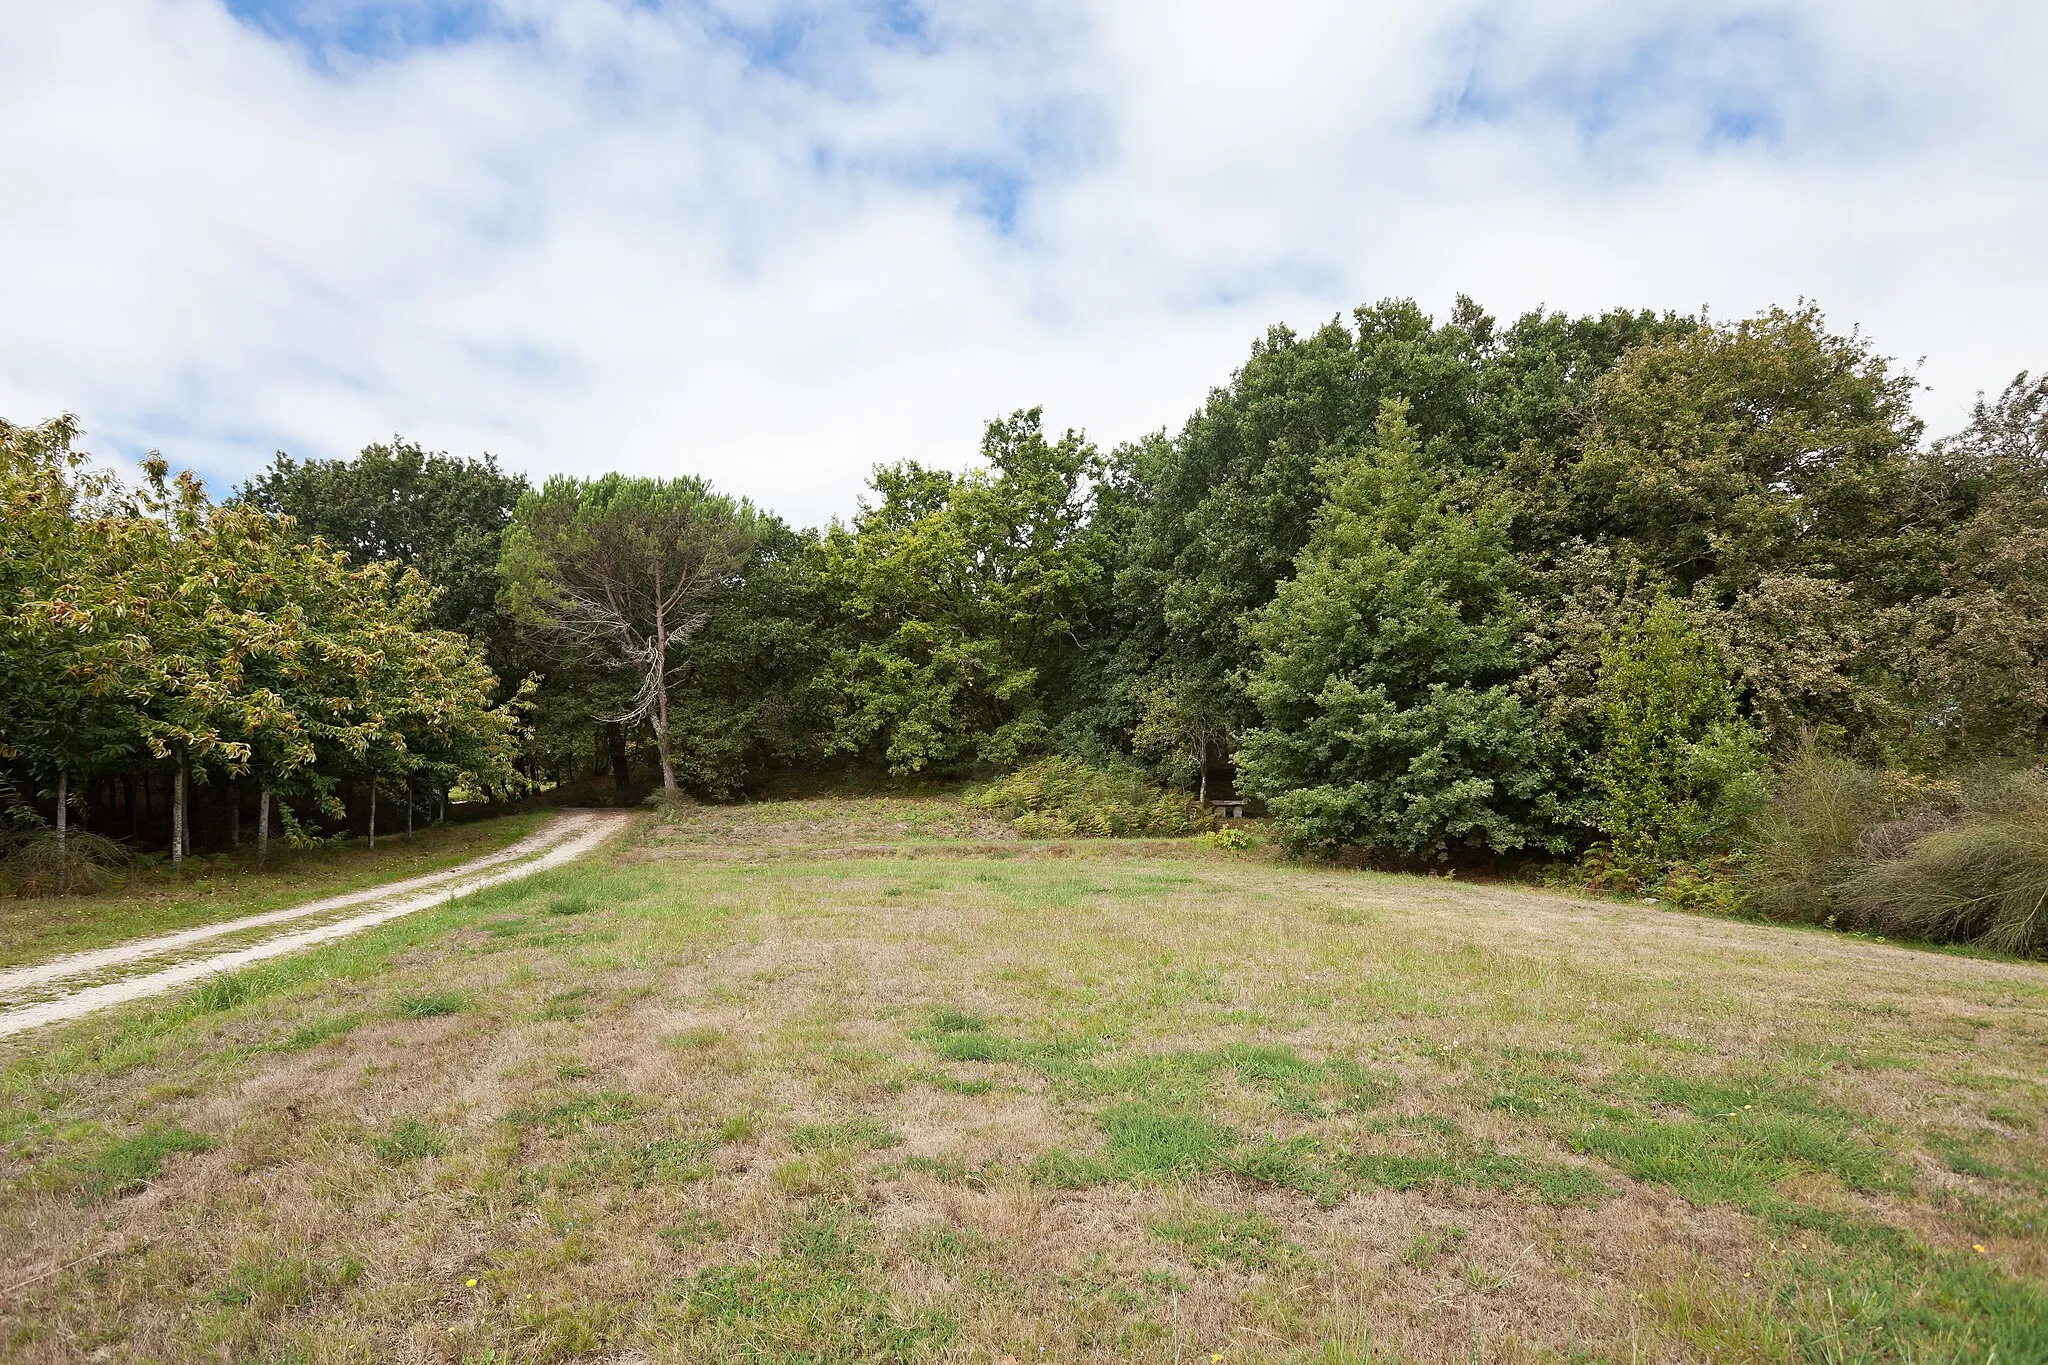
point(156, 646)
point(1585, 591)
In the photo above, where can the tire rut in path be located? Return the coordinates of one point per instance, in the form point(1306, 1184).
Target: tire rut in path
point(94, 960)
point(561, 841)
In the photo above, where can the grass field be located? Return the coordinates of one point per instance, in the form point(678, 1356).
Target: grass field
point(227, 887)
point(868, 1081)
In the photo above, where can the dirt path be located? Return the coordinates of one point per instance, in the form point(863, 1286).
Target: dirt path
point(560, 841)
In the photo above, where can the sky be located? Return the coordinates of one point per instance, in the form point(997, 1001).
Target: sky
point(775, 242)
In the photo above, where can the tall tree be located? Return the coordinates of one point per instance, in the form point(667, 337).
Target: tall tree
point(1215, 517)
point(1387, 716)
point(1972, 656)
point(396, 501)
point(237, 647)
point(1770, 445)
point(626, 571)
point(961, 601)
point(63, 733)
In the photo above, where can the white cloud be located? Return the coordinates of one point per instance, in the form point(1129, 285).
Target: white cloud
point(775, 243)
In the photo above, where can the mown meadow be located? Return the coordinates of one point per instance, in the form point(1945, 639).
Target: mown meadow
point(874, 1079)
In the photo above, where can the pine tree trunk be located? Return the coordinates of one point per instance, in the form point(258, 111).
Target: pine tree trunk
point(408, 810)
point(234, 816)
point(660, 664)
point(373, 816)
point(262, 826)
point(668, 767)
point(63, 800)
point(179, 815)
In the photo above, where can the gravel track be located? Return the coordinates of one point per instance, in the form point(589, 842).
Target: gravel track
point(562, 840)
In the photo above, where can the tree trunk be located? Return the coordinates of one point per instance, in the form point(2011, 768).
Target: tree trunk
point(622, 768)
point(63, 800)
point(373, 815)
point(234, 816)
point(408, 810)
point(262, 825)
point(659, 663)
point(179, 814)
point(668, 767)
point(134, 814)
point(1202, 765)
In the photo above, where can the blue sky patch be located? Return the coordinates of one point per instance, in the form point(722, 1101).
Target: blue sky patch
point(1734, 83)
point(340, 32)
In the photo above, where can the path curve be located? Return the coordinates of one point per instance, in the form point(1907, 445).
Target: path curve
point(561, 841)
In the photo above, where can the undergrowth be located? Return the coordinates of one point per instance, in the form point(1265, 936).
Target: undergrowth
point(1065, 798)
point(1962, 860)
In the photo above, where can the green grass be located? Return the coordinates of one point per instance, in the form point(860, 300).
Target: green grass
point(1104, 1105)
point(564, 1006)
point(1424, 1248)
point(951, 1171)
point(636, 1165)
point(1740, 1140)
point(1740, 1161)
point(432, 1004)
point(1480, 1168)
point(821, 1299)
point(563, 1117)
point(1911, 1304)
point(843, 1133)
point(1247, 1241)
point(125, 1166)
point(409, 1140)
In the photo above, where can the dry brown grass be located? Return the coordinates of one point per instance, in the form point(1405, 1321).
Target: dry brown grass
point(717, 1013)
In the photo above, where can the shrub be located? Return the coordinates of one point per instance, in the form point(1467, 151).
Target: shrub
point(1064, 797)
point(1827, 818)
point(1230, 840)
point(1679, 770)
point(31, 859)
point(1388, 717)
point(1984, 882)
point(1943, 860)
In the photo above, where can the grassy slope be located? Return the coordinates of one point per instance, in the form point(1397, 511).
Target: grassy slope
point(220, 889)
point(721, 1097)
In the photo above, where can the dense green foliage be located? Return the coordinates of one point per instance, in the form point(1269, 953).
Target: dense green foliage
point(154, 633)
point(1385, 664)
point(1064, 797)
point(1602, 587)
point(957, 602)
point(445, 517)
point(1678, 766)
